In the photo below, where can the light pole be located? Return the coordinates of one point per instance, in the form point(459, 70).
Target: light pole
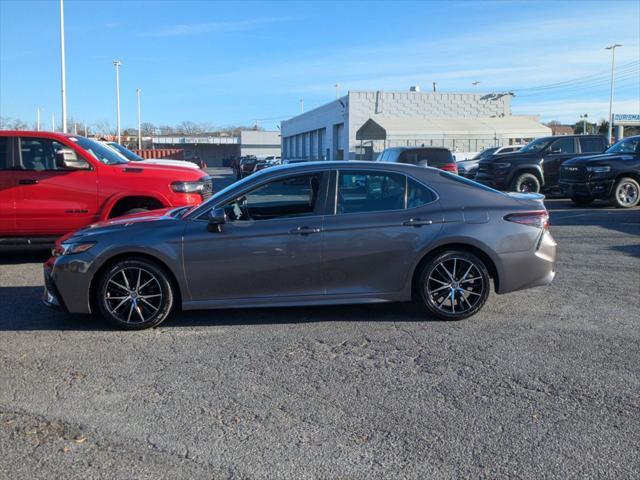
point(62, 70)
point(138, 91)
point(117, 63)
point(613, 68)
point(302, 105)
point(584, 124)
point(53, 122)
point(476, 83)
point(38, 119)
point(337, 86)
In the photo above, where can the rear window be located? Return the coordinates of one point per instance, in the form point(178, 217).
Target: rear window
point(3, 152)
point(591, 145)
point(427, 156)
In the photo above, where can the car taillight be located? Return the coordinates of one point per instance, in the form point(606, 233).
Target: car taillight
point(538, 218)
point(449, 167)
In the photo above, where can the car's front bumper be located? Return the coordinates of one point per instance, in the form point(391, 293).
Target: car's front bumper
point(594, 188)
point(67, 283)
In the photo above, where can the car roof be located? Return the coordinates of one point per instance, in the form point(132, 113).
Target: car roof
point(417, 148)
point(350, 164)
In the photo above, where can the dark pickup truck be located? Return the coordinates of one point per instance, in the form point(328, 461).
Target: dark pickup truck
point(612, 176)
point(536, 167)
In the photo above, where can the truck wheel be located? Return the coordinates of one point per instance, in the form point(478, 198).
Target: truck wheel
point(525, 183)
point(626, 193)
point(582, 201)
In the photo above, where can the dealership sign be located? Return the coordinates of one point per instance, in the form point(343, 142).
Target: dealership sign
point(629, 119)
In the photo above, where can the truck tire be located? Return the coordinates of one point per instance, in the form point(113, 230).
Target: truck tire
point(626, 193)
point(525, 183)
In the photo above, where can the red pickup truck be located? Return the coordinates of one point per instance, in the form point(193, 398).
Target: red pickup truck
point(53, 183)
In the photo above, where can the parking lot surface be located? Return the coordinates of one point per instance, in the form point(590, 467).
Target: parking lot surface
point(541, 383)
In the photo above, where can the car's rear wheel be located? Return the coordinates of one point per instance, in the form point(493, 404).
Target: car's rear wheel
point(454, 285)
point(582, 201)
point(525, 183)
point(626, 193)
point(134, 294)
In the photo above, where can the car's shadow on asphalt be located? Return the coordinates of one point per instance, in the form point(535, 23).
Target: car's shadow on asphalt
point(22, 310)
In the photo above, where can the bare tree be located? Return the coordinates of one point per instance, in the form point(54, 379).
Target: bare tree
point(8, 123)
point(103, 127)
point(147, 128)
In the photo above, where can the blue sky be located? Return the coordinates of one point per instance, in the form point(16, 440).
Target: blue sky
point(235, 62)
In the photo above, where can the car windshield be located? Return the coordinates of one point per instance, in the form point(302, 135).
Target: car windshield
point(125, 152)
point(537, 145)
point(485, 153)
point(626, 145)
point(101, 152)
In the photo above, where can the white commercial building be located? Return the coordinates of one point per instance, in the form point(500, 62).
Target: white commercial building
point(361, 124)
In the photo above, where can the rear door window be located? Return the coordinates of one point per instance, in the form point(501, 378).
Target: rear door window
point(591, 145)
point(418, 194)
point(362, 191)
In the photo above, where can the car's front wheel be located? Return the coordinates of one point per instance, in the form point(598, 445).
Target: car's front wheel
point(134, 294)
point(454, 285)
point(626, 193)
point(525, 183)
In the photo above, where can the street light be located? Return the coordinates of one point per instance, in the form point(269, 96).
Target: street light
point(584, 124)
point(337, 87)
point(138, 91)
point(613, 63)
point(63, 79)
point(117, 63)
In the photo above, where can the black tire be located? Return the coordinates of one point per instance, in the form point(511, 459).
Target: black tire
point(626, 193)
point(470, 293)
point(131, 211)
point(525, 183)
point(153, 299)
point(582, 201)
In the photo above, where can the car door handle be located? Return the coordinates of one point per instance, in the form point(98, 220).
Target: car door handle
point(27, 181)
point(304, 230)
point(417, 222)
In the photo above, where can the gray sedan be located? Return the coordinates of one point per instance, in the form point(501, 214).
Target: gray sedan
point(318, 233)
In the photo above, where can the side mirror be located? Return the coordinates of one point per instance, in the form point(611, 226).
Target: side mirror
point(67, 158)
point(217, 218)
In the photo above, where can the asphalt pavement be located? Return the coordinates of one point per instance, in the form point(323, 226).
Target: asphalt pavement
point(543, 383)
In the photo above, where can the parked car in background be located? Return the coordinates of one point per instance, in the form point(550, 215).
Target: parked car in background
point(311, 233)
point(53, 183)
point(134, 157)
point(437, 157)
point(612, 176)
point(246, 166)
point(266, 162)
point(536, 167)
point(469, 168)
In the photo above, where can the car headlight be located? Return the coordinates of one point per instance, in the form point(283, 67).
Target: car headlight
point(601, 169)
point(71, 248)
point(188, 187)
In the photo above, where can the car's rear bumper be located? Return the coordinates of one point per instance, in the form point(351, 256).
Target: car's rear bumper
point(527, 269)
point(594, 189)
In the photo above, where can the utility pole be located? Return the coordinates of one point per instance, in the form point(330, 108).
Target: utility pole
point(62, 70)
point(434, 87)
point(38, 119)
point(613, 68)
point(138, 91)
point(584, 123)
point(117, 63)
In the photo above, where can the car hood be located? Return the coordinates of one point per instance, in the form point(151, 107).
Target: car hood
point(170, 163)
point(113, 225)
point(170, 171)
point(506, 157)
point(581, 161)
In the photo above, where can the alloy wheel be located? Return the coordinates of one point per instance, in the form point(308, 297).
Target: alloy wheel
point(627, 193)
point(133, 295)
point(455, 286)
